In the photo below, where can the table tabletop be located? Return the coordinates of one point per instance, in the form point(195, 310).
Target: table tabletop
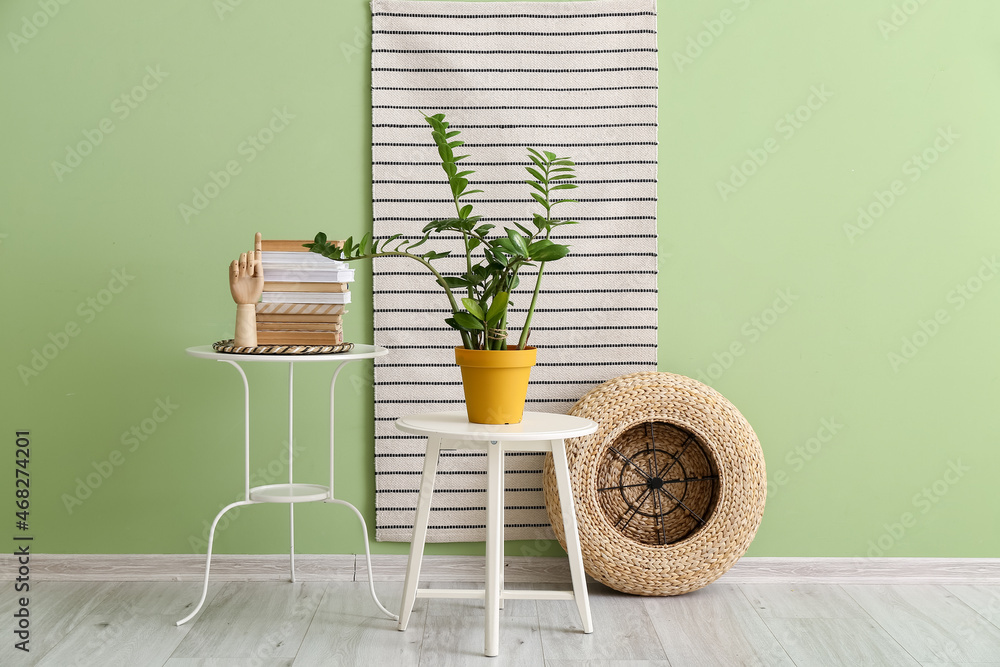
point(358, 352)
point(533, 426)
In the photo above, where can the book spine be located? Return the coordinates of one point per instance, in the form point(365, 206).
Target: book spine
point(318, 327)
point(300, 338)
point(289, 246)
point(330, 287)
point(300, 309)
point(291, 319)
point(339, 298)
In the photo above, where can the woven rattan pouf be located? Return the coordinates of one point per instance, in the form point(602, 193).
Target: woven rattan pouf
point(670, 489)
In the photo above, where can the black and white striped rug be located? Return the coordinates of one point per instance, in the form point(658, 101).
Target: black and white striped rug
point(576, 78)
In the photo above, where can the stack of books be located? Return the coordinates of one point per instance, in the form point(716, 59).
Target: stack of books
point(305, 296)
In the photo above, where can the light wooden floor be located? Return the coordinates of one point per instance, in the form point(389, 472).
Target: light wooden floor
point(271, 624)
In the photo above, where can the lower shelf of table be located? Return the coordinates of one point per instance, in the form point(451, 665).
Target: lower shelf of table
point(478, 594)
point(289, 493)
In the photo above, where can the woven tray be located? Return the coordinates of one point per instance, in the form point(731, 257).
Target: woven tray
point(229, 347)
point(670, 489)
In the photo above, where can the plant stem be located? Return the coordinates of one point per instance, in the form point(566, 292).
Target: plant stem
point(526, 329)
point(466, 338)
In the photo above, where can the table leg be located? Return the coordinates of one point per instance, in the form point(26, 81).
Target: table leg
point(368, 555)
point(208, 562)
point(291, 438)
point(494, 545)
point(579, 577)
point(420, 522)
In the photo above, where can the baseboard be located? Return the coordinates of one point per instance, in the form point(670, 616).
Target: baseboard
point(275, 567)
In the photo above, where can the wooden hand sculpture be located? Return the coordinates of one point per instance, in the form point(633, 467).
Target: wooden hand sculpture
point(246, 282)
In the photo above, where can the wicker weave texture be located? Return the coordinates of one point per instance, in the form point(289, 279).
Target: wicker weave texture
point(699, 435)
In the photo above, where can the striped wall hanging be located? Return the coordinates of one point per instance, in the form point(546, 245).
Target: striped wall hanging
point(577, 78)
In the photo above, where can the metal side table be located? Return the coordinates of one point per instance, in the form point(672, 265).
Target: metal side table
point(290, 493)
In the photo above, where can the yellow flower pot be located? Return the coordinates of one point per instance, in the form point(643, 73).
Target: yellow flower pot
point(495, 383)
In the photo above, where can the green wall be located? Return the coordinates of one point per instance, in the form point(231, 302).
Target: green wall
point(863, 353)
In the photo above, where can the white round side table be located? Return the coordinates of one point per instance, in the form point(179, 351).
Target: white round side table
point(292, 492)
point(537, 432)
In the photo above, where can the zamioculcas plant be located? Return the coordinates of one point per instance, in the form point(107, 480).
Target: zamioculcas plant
point(479, 297)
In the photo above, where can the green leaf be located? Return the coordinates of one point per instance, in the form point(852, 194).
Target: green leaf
point(433, 254)
point(527, 232)
point(550, 156)
point(468, 322)
point(320, 239)
point(453, 324)
point(536, 186)
point(418, 243)
point(446, 154)
point(540, 221)
point(459, 157)
point(506, 245)
point(453, 133)
point(569, 163)
point(474, 308)
point(455, 144)
point(466, 210)
point(449, 168)
point(534, 152)
point(548, 252)
point(562, 176)
point(564, 186)
point(519, 242)
point(363, 246)
point(559, 169)
point(498, 307)
point(456, 185)
point(538, 163)
point(539, 198)
point(483, 230)
point(470, 192)
point(565, 201)
point(454, 281)
point(535, 173)
point(463, 174)
point(348, 246)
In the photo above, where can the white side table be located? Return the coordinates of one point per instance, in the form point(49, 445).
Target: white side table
point(290, 493)
point(537, 432)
